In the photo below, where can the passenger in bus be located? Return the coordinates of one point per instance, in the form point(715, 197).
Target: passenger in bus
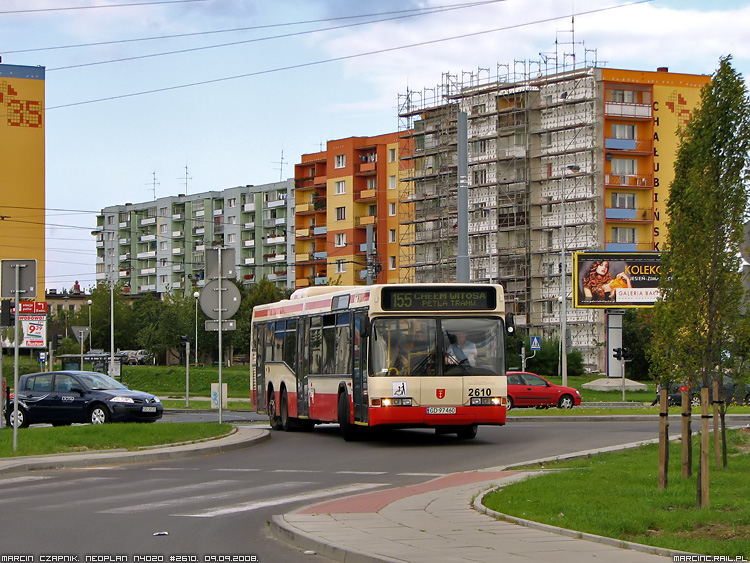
point(398, 359)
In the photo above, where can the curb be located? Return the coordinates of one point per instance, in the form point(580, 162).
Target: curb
point(237, 439)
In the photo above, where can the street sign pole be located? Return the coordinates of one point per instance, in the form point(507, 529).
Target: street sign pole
point(221, 276)
point(15, 356)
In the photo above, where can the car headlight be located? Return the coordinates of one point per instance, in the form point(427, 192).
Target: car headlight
point(121, 400)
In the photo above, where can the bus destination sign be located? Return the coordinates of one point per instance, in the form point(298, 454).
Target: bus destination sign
point(460, 298)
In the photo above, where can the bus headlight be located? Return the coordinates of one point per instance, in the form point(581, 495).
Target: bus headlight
point(486, 401)
point(396, 402)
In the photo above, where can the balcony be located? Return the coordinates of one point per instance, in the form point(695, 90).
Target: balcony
point(276, 239)
point(199, 248)
point(177, 251)
point(218, 212)
point(123, 274)
point(303, 208)
point(249, 243)
point(100, 244)
point(627, 145)
point(248, 226)
point(629, 180)
point(320, 230)
point(178, 216)
point(124, 224)
point(366, 195)
point(302, 233)
point(323, 280)
point(618, 109)
point(276, 203)
point(248, 207)
point(145, 255)
point(199, 230)
point(147, 271)
point(275, 257)
point(178, 267)
point(148, 221)
point(147, 238)
point(124, 257)
point(628, 247)
point(302, 257)
point(320, 255)
point(365, 220)
point(177, 234)
point(624, 214)
point(249, 261)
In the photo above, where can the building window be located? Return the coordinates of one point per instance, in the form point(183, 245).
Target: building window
point(624, 166)
point(232, 220)
point(164, 262)
point(110, 220)
point(623, 201)
point(478, 109)
point(479, 177)
point(163, 228)
point(339, 239)
point(164, 245)
point(231, 238)
point(391, 155)
point(340, 266)
point(164, 280)
point(623, 131)
point(372, 183)
point(232, 202)
point(392, 182)
point(340, 187)
point(391, 262)
point(340, 213)
point(623, 96)
point(392, 235)
point(162, 212)
point(623, 235)
point(392, 208)
point(340, 161)
point(479, 147)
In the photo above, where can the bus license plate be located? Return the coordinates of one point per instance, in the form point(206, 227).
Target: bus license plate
point(441, 410)
point(148, 409)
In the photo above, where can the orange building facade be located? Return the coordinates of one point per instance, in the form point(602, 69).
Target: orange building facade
point(342, 194)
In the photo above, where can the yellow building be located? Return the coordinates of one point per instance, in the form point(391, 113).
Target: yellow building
point(22, 194)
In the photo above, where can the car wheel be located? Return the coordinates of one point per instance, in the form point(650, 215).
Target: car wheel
point(285, 423)
point(747, 399)
point(510, 403)
point(273, 420)
point(22, 421)
point(98, 414)
point(467, 432)
point(566, 402)
point(695, 400)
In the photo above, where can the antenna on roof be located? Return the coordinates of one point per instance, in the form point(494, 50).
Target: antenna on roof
point(281, 164)
point(185, 179)
point(153, 183)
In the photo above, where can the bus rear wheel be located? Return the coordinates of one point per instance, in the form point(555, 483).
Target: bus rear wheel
point(273, 420)
point(284, 421)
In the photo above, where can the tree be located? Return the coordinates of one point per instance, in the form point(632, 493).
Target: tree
point(700, 281)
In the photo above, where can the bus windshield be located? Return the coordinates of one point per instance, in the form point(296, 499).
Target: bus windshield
point(437, 346)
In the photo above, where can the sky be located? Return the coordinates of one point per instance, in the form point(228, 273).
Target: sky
point(186, 96)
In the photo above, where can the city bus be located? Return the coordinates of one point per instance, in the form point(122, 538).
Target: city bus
point(395, 355)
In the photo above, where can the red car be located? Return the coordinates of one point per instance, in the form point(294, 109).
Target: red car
point(527, 389)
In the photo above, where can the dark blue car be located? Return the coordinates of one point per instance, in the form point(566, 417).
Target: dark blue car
point(64, 397)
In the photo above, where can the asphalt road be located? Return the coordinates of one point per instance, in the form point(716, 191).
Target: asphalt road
point(220, 504)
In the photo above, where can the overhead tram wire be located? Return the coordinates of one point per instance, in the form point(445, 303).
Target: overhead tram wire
point(338, 59)
point(423, 11)
point(71, 8)
point(260, 39)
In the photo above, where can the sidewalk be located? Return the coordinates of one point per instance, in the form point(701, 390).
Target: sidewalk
point(443, 520)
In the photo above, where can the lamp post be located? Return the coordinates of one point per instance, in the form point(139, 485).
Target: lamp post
point(196, 295)
point(90, 337)
point(563, 276)
point(112, 329)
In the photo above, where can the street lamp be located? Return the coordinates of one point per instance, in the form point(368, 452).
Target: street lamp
point(563, 274)
point(90, 338)
point(196, 295)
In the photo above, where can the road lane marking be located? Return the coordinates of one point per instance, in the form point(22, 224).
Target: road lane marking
point(255, 505)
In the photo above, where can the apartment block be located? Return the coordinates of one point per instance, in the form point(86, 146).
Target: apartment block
point(159, 246)
point(346, 202)
point(587, 153)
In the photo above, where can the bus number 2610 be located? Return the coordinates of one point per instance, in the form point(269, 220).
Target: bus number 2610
point(480, 392)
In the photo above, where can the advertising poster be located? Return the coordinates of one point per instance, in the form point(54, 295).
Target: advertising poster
point(616, 279)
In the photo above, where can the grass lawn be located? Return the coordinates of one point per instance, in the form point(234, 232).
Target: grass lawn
point(616, 495)
point(45, 440)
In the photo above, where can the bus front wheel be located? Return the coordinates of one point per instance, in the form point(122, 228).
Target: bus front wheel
point(467, 432)
point(348, 430)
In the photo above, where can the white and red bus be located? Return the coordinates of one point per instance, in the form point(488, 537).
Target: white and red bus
point(401, 355)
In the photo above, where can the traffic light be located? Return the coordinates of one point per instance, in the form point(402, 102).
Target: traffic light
point(56, 339)
point(618, 353)
point(627, 354)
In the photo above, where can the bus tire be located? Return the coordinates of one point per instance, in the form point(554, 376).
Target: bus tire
point(348, 430)
point(468, 432)
point(284, 420)
point(273, 420)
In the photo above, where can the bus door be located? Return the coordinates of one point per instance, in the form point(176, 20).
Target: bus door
point(303, 367)
point(259, 384)
point(359, 369)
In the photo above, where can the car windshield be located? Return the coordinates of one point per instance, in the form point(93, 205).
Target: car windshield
point(437, 346)
point(98, 382)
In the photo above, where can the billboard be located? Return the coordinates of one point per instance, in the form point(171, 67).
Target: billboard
point(616, 280)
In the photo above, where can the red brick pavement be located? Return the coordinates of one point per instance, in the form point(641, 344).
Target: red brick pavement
point(376, 501)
